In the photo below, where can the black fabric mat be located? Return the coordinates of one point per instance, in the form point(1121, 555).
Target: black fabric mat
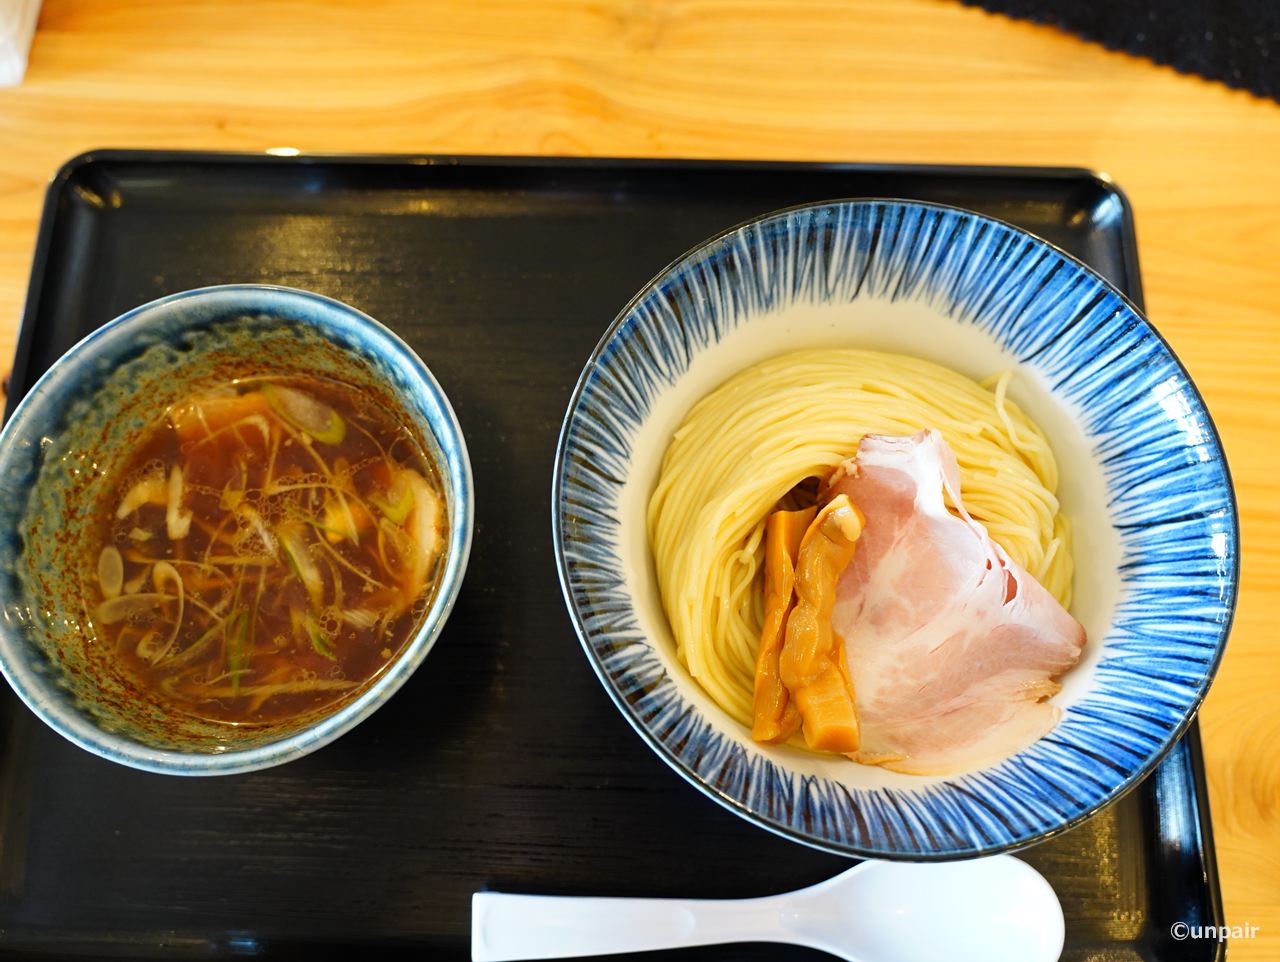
point(1234, 41)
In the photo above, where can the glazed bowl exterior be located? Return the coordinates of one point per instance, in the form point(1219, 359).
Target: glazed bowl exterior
point(1144, 484)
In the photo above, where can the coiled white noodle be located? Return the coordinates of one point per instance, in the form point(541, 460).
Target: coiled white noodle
point(745, 445)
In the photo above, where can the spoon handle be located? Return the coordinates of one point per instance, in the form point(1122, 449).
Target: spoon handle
point(507, 927)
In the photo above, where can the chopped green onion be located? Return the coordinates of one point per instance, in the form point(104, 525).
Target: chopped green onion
point(176, 521)
point(121, 607)
point(396, 506)
point(305, 413)
point(110, 571)
point(300, 561)
point(239, 631)
point(150, 490)
point(320, 641)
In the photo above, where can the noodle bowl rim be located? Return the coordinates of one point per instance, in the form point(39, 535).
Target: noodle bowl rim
point(705, 251)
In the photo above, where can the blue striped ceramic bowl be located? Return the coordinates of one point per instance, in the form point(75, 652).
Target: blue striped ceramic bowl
point(1144, 483)
point(81, 417)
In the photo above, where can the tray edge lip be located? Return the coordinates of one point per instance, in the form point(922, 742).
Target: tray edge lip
point(39, 268)
point(109, 154)
point(1204, 822)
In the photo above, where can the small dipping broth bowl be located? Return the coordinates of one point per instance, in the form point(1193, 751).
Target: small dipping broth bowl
point(79, 423)
point(1144, 485)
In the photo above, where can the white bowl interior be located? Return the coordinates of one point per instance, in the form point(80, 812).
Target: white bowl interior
point(909, 327)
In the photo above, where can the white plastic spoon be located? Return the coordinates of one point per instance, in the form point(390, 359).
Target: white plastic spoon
point(994, 909)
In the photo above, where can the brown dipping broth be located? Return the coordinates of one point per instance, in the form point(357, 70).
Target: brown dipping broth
point(272, 547)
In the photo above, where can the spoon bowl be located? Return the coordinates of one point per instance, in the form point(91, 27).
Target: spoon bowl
point(996, 909)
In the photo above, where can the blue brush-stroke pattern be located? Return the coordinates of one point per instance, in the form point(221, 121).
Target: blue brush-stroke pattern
point(1169, 497)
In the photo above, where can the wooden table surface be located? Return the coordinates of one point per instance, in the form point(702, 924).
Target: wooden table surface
point(892, 80)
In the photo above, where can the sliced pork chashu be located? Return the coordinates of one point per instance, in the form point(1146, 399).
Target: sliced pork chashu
point(952, 647)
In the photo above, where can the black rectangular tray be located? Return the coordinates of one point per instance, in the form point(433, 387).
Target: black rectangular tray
point(502, 763)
